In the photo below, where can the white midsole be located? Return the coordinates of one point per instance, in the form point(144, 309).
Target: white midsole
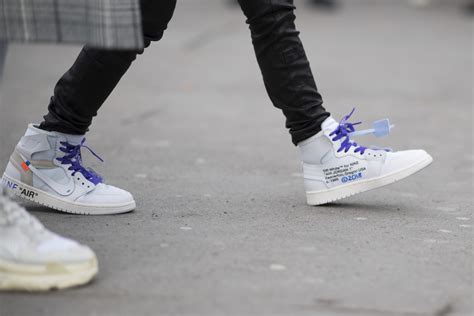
point(43, 277)
point(64, 205)
point(339, 192)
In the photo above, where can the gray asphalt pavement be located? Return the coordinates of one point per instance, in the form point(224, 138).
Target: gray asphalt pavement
point(221, 226)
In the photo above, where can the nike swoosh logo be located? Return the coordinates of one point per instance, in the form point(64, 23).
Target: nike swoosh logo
point(62, 189)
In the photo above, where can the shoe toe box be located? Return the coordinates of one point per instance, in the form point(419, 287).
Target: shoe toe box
point(104, 194)
point(404, 159)
point(61, 250)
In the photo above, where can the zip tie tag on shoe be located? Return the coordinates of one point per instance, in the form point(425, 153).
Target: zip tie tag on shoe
point(380, 128)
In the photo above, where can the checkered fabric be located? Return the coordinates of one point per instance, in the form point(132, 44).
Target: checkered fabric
point(101, 23)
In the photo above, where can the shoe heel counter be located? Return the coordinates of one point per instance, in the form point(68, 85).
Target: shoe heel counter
point(313, 150)
point(314, 179)
point(18, 170)
point(12, 171)
point(311, 185)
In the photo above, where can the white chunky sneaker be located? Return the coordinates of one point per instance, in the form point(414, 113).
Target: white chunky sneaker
point(335, 167)
point(34, 259)
point(46, 168)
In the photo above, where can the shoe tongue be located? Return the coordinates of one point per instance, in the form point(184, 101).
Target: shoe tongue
point(329, 124)
point(73, 139)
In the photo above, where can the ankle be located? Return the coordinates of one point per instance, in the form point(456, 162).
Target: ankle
point(64, 128)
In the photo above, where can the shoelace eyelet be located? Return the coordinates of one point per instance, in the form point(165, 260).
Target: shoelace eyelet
point(73, 158)
point(345, 129)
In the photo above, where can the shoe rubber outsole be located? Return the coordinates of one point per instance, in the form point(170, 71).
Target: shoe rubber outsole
point(347, 190)
point(39, 278)
point(46, 199)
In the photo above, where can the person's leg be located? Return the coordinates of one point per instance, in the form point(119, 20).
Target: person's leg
point(21, 234)
point(46, 166)
point(334, 166)
point(285, 68)
point(86, 85)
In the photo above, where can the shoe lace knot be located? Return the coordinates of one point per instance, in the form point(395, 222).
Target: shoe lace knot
point(73, 157)
point(346, 129)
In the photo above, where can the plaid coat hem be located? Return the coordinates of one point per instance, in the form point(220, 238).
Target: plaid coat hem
point(101, 23)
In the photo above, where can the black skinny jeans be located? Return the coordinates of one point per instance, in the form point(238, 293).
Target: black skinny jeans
point(281, 56)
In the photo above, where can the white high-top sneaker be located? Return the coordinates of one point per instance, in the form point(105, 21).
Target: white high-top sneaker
point(46, 168)
point(335, 167)
point(34, 259)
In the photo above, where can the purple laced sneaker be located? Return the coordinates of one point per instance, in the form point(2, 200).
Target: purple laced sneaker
point(73, 157)
point(346, 129)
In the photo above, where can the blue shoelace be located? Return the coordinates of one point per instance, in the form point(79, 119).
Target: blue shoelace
point(346, 129)
point(73, 157)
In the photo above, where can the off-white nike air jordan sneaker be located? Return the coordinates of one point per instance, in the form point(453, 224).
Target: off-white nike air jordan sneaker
point(47, 168)
point(335, 167)
point(34, 259)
